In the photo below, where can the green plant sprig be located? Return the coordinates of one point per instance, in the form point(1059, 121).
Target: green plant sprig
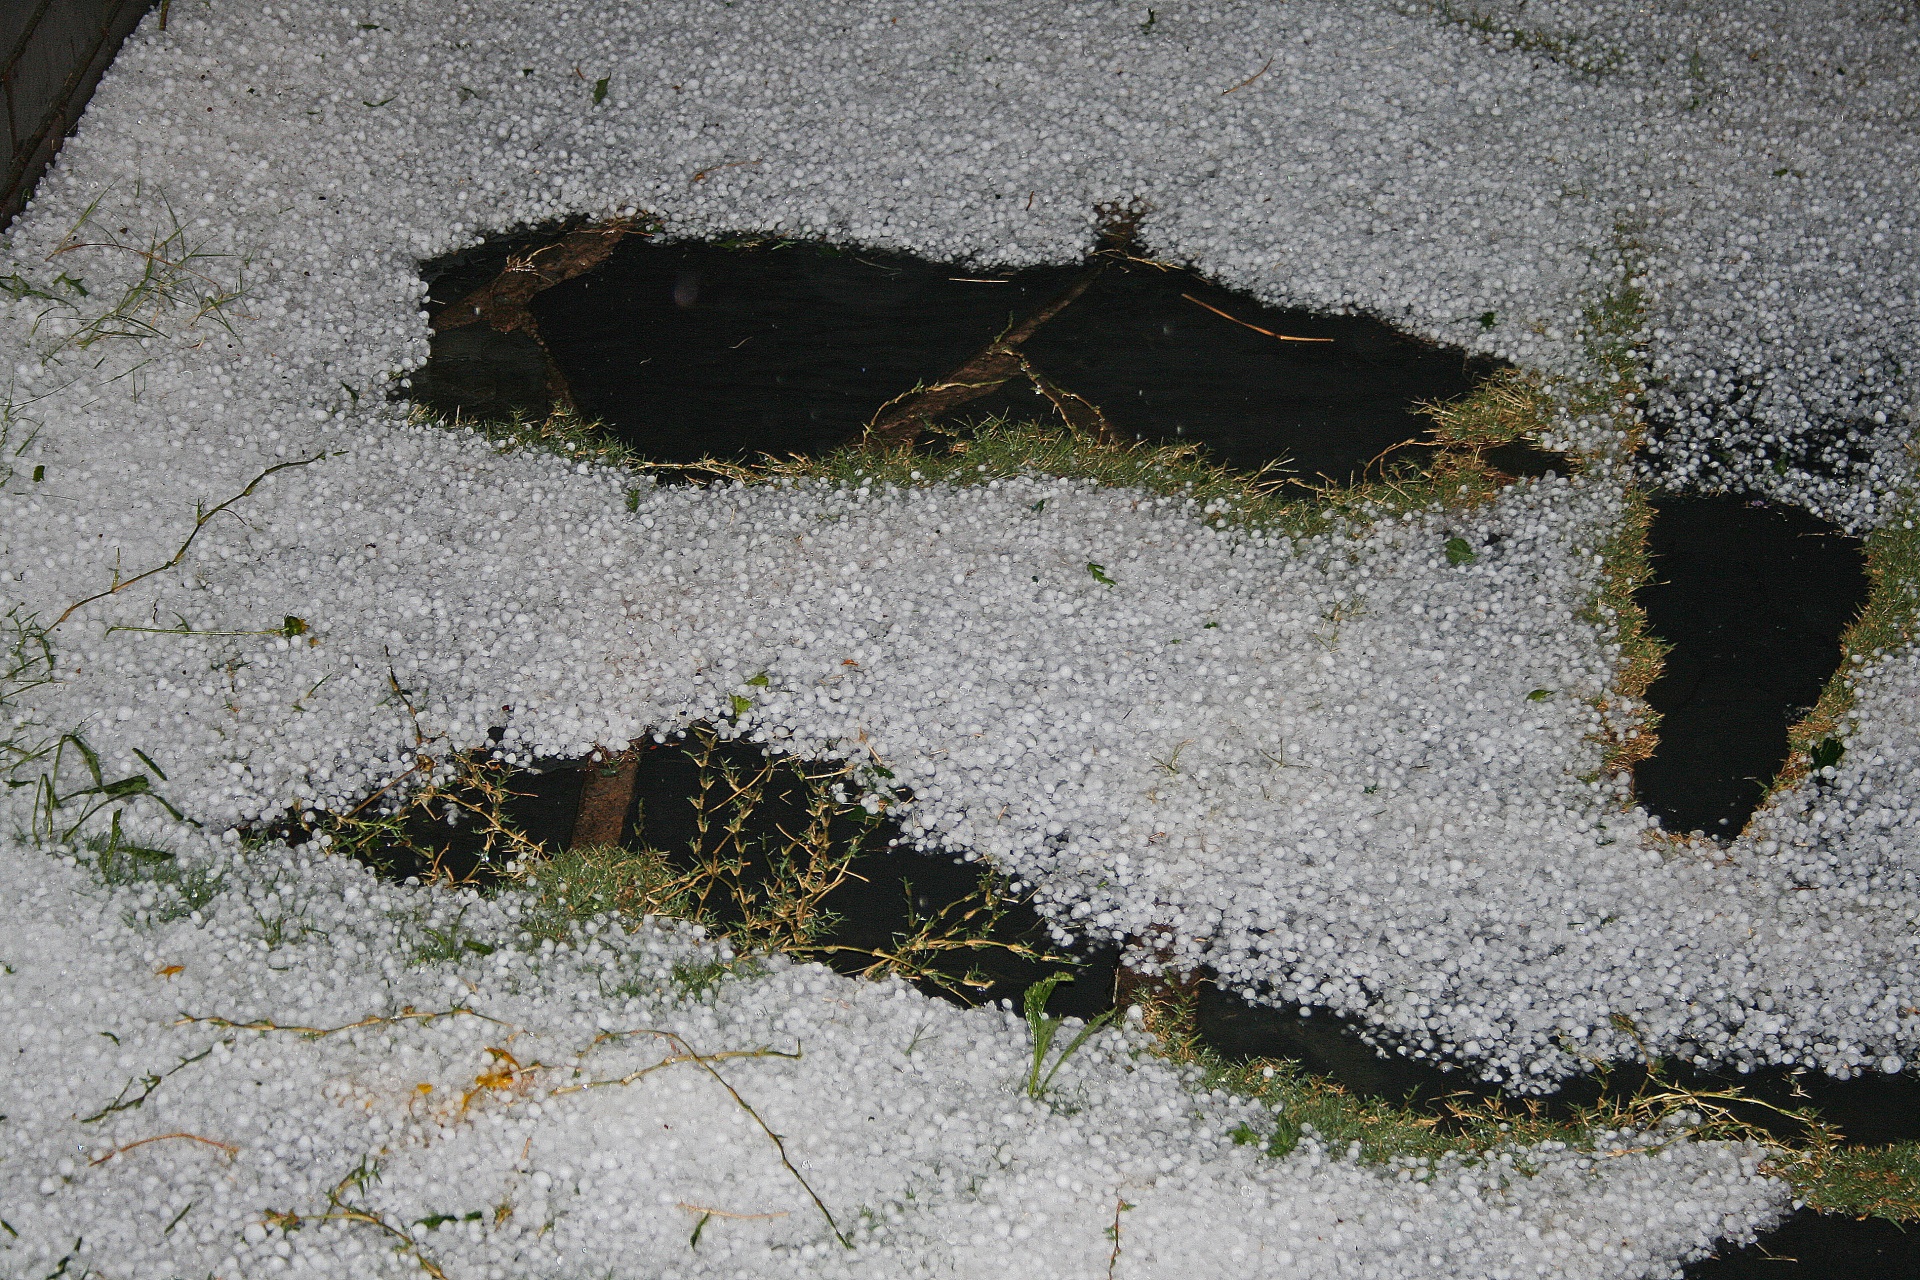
point(1044, 1027)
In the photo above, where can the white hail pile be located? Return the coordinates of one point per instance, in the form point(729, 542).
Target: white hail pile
point(1341, 793)
point(559, 1129)
point(1777, 229)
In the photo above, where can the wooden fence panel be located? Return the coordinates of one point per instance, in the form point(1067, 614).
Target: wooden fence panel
point(52, 53)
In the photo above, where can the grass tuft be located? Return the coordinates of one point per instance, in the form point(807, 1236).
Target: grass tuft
point(177, 276)
point(1577, 53)
point(572, 886)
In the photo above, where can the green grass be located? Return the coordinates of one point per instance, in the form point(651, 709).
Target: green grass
point(1584, 54)
point(171, 891)
point(1881, 1182)
point(569, 887)
point(1861, 1182)
point(999, 448)
point(773, 840)
point(176, 275)
point(1613, 335)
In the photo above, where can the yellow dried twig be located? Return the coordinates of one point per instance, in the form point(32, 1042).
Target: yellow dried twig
point(675, 1060)
point(409, 1014)
point(232, 1149)
point(701, 174)
point(344, 1214)
point(1243, 324)
point(1250, 79)
point(722, 1213)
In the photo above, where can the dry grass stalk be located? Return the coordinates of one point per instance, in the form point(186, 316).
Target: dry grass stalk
point(901, 420)
point(315, 1033)
point(232, 1149)
point(673, 1060)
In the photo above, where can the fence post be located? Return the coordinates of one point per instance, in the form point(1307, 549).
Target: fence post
point(52, 53)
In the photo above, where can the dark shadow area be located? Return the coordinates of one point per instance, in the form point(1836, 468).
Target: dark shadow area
point(1753, 599)
point(1818, 1246)
point(890, 889)
point(1830, 448)
point(693, 349)
point(541, 802)
point(1326, 1045)
point(478, 372)
point(1144, 345)
point(1870, 1111)
point(696, 349)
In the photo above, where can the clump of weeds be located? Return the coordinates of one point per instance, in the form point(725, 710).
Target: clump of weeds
point(772, 841)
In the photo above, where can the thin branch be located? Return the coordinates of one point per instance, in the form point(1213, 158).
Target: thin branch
point(393, 682)
point(706, 1065)
point(1120, 1206)
point(201, 518)
point(1250, 79)
point(1243, 324)
point(232, 1149)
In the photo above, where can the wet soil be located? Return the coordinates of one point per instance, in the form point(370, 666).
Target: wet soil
point(1753, 598)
